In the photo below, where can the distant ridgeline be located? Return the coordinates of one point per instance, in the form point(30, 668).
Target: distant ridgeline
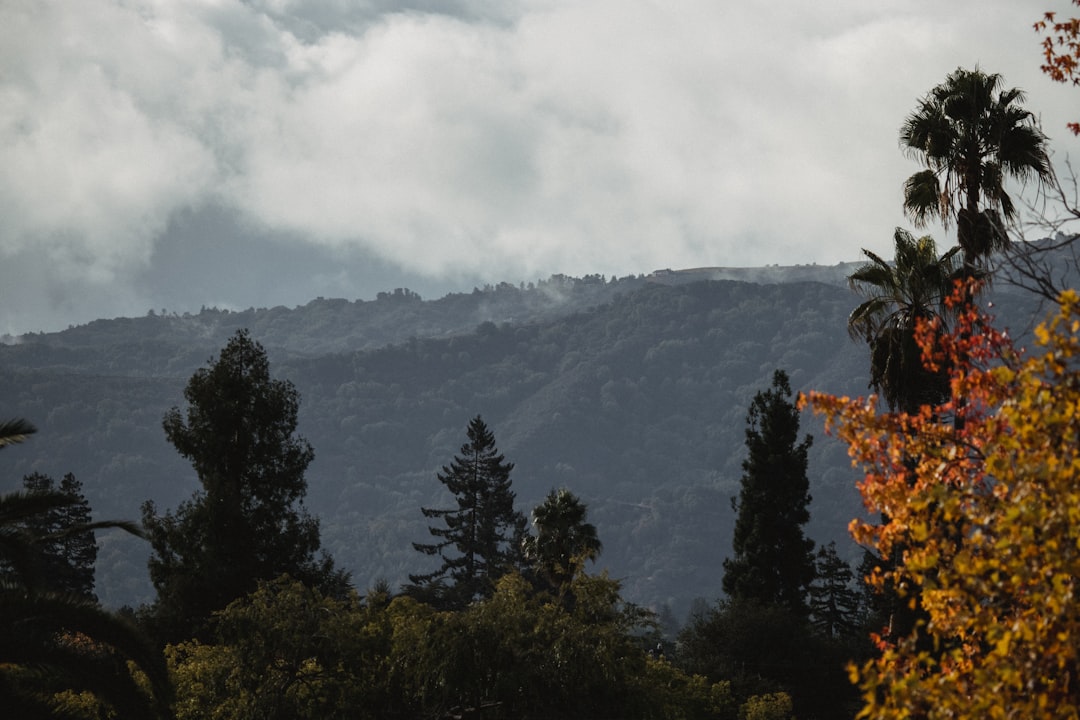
point(630, 392)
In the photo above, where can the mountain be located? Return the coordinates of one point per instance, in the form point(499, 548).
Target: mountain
point(630, 392)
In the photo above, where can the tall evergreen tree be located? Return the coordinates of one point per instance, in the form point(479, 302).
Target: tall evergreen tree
point(835, 604)
point(67, 548)
point(244, 525)
point(479, 540)
point(773, 562)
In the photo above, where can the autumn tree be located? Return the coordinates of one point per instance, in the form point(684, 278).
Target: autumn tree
point(773, 560)
point(988, 518)
point(247, 522)
point(1061, 50)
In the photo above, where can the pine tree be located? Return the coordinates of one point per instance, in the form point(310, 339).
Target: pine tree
point(773, 562)
point(479, 539)
point(835, 605)
point(67, 548)
point(244, 525)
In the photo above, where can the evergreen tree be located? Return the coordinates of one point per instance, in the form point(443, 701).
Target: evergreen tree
point(67, 548)
point(773, 561)
point(62, 655)
point(244, 525)
point(835, 605)
point(479, 540)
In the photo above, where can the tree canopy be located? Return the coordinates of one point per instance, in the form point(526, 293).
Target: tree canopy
point(898, 294)
point(62, 655)
point(564, 540)
point(244, 525)
point(987, 517)
point(971, 134)
point(773, 560)
point(479, 540)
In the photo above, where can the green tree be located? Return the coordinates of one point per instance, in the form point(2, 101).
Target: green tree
point(61, 655)
point(563, 540)
point(897, 296)
point(244, 525)
point(284, 651)
point(773, 560)
point(835, 604)
point(518, 654)
point(761, 649)
point(477, 540)
point(67, 548)
point(970, 134)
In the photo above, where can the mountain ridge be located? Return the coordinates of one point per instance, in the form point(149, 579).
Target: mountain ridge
point(630, 392)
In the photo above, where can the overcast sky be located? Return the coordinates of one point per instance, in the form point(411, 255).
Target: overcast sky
point(179, 153)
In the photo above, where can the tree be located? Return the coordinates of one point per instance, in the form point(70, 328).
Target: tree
point(988, 521)
point(563, 540)
point(970, 135)
point(66, 546)
point(243, 526)
point(835, 606)
point(476, 542)
point(773, 560)
point(284, 651)
point(61, 655)
point(1061, 51)
point(898, 295)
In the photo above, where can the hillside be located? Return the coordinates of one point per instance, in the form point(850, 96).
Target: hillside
point(630, 392)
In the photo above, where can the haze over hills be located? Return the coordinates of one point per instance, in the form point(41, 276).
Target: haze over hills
point(630, 392)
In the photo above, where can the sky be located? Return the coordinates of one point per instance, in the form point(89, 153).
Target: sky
point(175, 154)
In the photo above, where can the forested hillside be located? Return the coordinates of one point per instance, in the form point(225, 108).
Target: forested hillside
point(632, 393)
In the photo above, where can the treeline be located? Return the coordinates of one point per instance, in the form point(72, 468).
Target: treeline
point(636, 404)
point(254, 620)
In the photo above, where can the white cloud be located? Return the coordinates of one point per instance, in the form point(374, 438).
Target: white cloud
point(507, 139)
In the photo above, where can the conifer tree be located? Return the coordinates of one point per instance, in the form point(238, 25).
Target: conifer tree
point(835, 605)
point(773, 560)
point(68, 550)
point(244, 525)
point(479, 540)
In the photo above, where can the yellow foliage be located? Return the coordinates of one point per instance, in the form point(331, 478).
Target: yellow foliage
point(983, 501)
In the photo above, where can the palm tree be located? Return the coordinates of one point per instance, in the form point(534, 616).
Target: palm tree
point(564, 541)
point(914, 287)
point(970, 134)
point(54, 642)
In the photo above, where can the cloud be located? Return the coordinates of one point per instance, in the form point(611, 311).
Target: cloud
point(470, 138)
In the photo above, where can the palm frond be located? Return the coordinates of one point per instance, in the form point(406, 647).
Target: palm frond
point(922, 197)
point(15, 431)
